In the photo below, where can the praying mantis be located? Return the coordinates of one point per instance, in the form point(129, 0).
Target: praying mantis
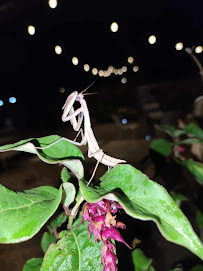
point(76, 118)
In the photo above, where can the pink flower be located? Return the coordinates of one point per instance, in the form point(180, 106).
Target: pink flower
point(102, 224)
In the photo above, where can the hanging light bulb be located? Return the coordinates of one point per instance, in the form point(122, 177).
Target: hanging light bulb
point(94, 71)
point(130, 59)
point(135, 68)
point(152, 39)
point(179, 46)
point(198, 50)
point(86, 67)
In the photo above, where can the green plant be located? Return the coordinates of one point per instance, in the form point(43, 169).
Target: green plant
point(185, 147)
point(22, 214)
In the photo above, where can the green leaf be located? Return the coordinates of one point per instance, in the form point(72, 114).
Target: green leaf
point(161, 146)
point(75, 251)
point(178, 198)
point(189, 141)
point(47, 239)
point(62, 152)
point(33, 264)
point(199, 219)
point(65, 175)
point(140, 261)
point(169, 129)
point(197, 268)
point(58, 221)
point(68, 193)
point(196, 168)
point(22, 214)
point(194, 129)
point(146, 200)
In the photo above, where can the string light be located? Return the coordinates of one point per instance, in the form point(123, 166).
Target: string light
point(86, 67)
point(110, 69)
point(94, 71)
point(124, 121)
point(52, 3)
point(130, 59)
point(179, 46)
point(31, 30)
point(58, 49)
point(114, 27)
point(135, 68)
point(1, 102)
point(115, 71)
point(75, 60)
point(120, 71)
point(123, 80)
point(198, 50)
point(152, 39)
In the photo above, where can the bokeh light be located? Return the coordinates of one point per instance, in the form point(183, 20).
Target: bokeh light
point(94, 71)
point(75, 60)
point(52, 3)
point(130, 59)
point(179, 46)
point(62, 89)
point(124, 69)
point(12, 100)
point(1, 102)
point(152, 39)
point(198, 50)
point(114, 27)
point(124, 121)
point(58, 49)
point(101, 73)
point(31, 30)
point(135, 68)
point(86, 67)
point(123, 80)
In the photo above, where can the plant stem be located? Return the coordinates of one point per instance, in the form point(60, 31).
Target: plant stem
point(73, 212)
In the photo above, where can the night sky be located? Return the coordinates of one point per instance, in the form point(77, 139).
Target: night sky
point(32, 72)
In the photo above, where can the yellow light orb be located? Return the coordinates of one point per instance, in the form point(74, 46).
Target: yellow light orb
point(179, 46)
point(52, 3)
point(124, 69)
point(86, 67)
point(75, 60)
point(115, 71)
point(120, 71)
point(58, 49)
point(114, 27)
point(94, 71)
point(101, 73)
point(135, 68)
point(198, 50)
point(152, 39)
point(130, 59)
point(31, 30)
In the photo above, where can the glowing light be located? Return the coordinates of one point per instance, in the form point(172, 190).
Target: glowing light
point(1, 102)
point(75, 60)
point(114, 27)
point(130, 59)
point(179, 46)
point(124, 69)
point(120, 71)
point(115, 71)
point(135, 68)
point(123, 80)
point(110, 69)
point(62, 89)
point(58, 49)
point(86, 67)
point(52, 3)
point(124, 121)
point(94, 71)
point(152, 39)
point(101, 73)
point(31, 30)
point(198, 50)
point(12, 100)
point(148, 137)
